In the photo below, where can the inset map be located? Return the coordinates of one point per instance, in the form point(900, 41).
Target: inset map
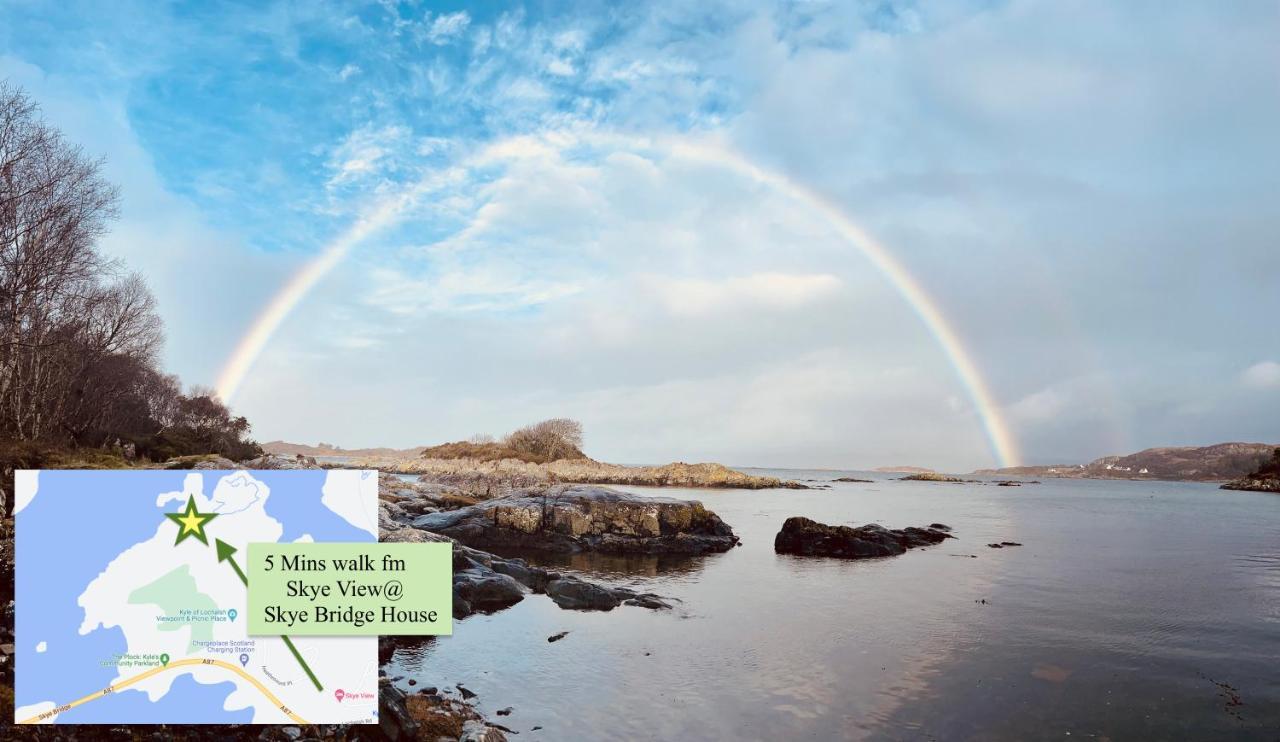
point(131, 594)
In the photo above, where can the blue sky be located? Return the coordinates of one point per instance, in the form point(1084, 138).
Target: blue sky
point(1087, 191)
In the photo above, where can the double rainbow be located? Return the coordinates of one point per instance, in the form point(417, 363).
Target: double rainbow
point(1002, 443)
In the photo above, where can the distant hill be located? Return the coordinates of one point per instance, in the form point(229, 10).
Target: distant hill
point(284, 448)
point(1218, 462)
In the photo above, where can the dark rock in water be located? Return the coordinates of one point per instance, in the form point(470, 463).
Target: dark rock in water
point(466, 694)
point(644, 600)
point(569, 518)
point(575, 594)
point(648, 600)
point(940, 527)
point(487, 592)
point(557, 637)
point(852, 479)
point(504, 712)
point(1009, 483)
point(1010, 543)
point(517, 569)
point(806, 537)
point(929, 476)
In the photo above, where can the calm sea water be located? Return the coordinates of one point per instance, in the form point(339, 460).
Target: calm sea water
point(1134, 610)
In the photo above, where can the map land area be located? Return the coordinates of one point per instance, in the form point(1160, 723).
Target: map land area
point(131, 598)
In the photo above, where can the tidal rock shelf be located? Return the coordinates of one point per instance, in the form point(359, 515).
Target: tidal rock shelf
point(805, 537)
point(486, 583)
point(563, 519)
point(573, 518)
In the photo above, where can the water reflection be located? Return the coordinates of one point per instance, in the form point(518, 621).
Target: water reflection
point(1128, 606)
point(609, 566)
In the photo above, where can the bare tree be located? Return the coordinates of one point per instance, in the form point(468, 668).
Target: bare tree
point(53, 207)
point(79, 337)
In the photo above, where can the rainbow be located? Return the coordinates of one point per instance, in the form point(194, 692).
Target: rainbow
point(1003, 445)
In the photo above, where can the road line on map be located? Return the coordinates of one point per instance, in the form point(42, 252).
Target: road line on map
point(157, 670)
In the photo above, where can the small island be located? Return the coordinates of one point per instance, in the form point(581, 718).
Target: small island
point(546, 453)
point(930, 476)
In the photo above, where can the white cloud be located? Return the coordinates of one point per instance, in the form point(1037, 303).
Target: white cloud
point(1089, 397)
point(484, 287)
point(364, 152)
point(560, 67)
point(1262, 375)
point(781, 291)
point(1040, 406)
point(447, 27)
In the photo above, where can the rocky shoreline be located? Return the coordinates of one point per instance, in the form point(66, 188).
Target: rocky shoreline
point(1254, 484)
point(1266, 478)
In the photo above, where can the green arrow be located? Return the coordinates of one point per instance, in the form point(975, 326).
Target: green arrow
point(288, 643)
point(225, 550)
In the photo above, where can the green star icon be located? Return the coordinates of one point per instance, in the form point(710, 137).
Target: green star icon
point(191, 522)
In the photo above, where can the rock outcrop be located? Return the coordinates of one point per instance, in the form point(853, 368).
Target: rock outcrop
point(217, 463)
point(570, 518)
point(806, 537)
point(930, 476)
point(485, 583)
point(269, 461)
point(1254, 484)
point(433, 716)
point(1265, 478)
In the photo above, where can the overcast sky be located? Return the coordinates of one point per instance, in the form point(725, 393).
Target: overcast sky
point(1088, 191)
